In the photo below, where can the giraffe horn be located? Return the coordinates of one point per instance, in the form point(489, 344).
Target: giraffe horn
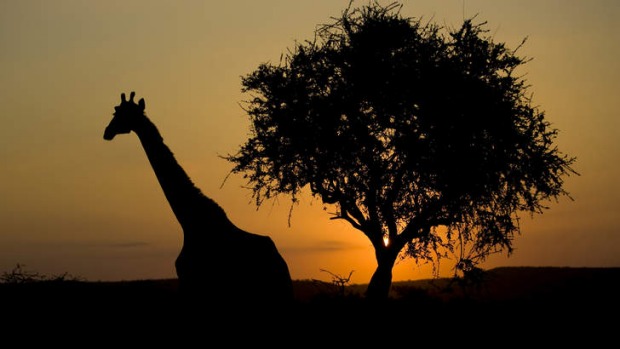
point(131, 96)
point(123, 97)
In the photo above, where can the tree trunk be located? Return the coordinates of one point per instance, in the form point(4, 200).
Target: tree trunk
point(381, 280)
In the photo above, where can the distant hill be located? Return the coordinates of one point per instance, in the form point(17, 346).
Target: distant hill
point(526, 283)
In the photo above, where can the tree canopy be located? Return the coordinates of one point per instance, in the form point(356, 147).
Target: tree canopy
point(424, 138)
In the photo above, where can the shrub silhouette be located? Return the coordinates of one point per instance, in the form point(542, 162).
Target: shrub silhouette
point(20, 275)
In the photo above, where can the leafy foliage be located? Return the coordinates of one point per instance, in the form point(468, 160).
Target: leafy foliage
point(421, 136)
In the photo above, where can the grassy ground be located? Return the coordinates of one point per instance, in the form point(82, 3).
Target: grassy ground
point(508, 305)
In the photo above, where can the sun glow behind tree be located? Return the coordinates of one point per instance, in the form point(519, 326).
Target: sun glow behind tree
point(421, 137)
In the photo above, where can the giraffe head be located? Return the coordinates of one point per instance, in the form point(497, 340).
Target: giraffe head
point(126, 115)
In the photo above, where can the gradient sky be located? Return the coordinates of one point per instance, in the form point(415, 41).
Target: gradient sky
point(72, 202)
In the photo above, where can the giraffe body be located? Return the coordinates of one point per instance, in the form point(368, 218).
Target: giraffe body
point(218, 261)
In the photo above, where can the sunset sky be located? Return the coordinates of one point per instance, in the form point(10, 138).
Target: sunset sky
point(73, 202)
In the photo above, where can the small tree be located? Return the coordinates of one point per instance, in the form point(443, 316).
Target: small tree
point(423, 138)
point(340, 281)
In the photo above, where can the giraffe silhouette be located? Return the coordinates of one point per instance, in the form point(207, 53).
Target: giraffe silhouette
point(218, 261)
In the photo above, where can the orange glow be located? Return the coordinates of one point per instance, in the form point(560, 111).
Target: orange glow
point(72, 202)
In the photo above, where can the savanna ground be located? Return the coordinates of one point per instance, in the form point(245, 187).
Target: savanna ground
point(506, 307)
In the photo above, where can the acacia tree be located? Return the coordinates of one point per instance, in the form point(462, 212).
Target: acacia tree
point(423, 138)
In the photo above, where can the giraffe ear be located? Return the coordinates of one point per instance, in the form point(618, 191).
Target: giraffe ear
point(142, 103)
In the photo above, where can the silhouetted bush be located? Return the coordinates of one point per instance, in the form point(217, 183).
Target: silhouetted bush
point(20, 275)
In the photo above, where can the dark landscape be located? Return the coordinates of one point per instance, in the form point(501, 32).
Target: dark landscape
point(553, 304)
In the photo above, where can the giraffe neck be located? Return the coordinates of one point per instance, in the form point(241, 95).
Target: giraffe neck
point(182, 195)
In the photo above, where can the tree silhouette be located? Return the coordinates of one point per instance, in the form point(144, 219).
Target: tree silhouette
point(424, 138)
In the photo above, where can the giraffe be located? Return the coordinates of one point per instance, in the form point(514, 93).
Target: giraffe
point(218, 261)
